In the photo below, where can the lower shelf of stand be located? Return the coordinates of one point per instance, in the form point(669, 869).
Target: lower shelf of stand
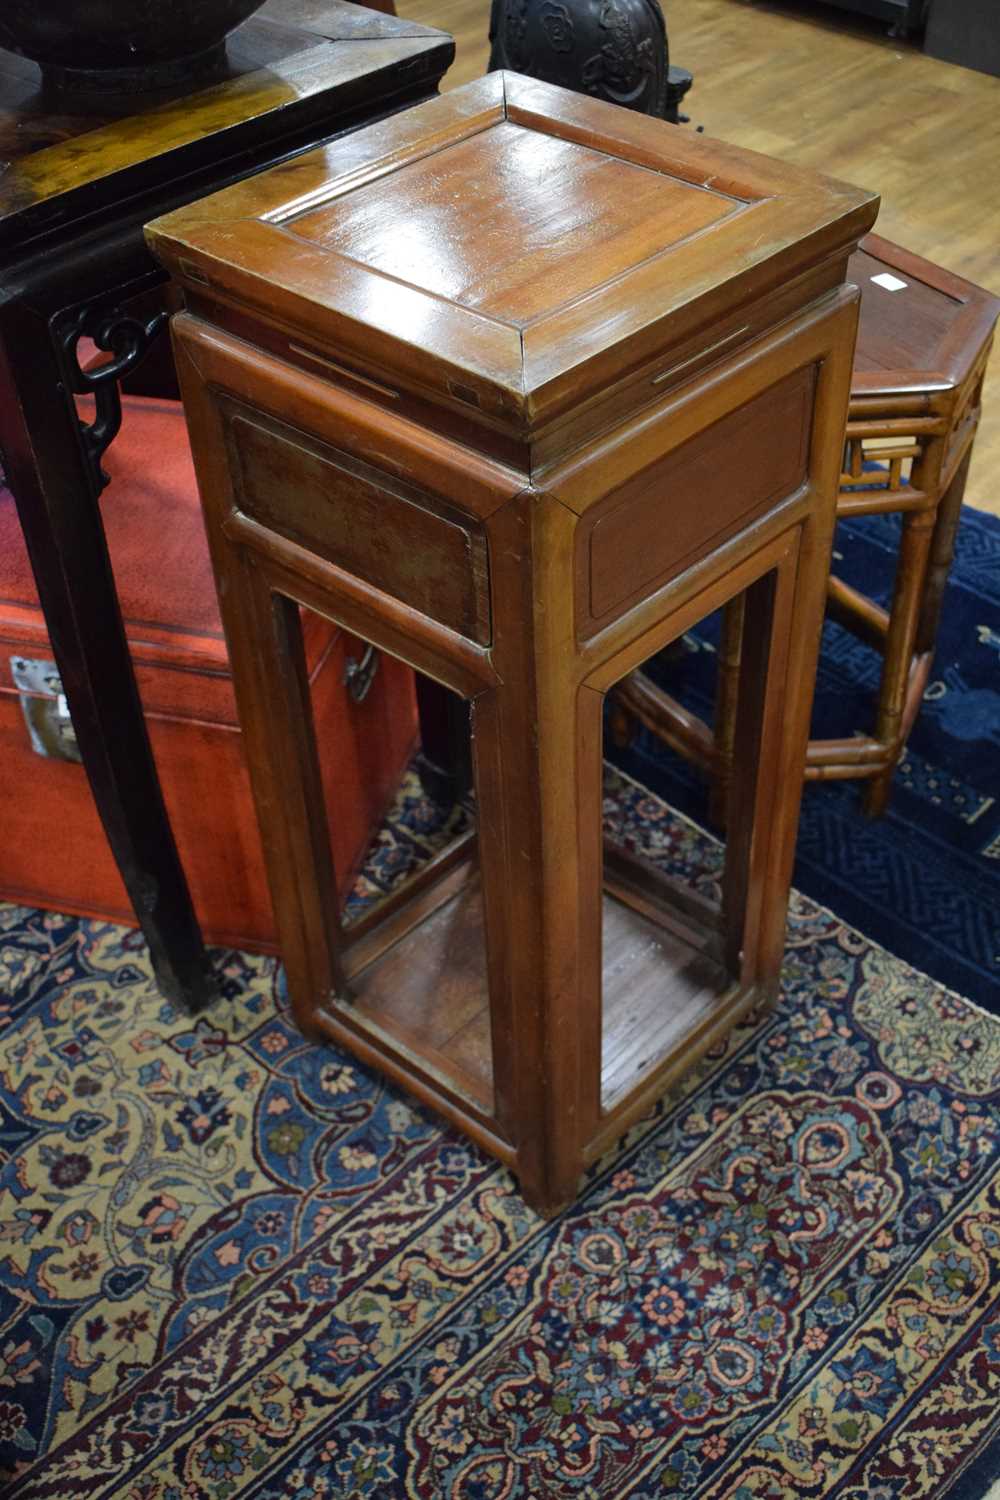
point(426, 996)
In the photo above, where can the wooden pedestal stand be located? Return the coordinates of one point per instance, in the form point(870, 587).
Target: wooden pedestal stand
point(518, 386)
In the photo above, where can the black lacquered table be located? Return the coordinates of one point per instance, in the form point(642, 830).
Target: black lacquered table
point(78, 180)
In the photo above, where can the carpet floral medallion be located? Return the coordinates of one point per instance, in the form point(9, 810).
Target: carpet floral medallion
point(236, 1264)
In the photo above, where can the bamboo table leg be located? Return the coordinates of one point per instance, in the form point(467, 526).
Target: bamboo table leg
point(942, 552)
point(904, 614)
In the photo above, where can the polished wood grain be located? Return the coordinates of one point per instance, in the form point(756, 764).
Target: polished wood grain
point(838, 95)
point(916, 399)
point(647, 530)
point(531, 369)
point(379, 529)
point(416, 229)
point(618, 487)
point(291, 51)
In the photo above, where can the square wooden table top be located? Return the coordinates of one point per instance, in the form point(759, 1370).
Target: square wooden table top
point(507, 242)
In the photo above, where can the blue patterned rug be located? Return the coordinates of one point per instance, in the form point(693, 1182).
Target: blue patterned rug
point(924, 881)
point(237, 1266)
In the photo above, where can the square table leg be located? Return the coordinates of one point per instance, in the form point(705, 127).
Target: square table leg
point(60, 517)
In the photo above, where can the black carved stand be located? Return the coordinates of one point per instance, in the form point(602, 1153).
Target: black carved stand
point(73, 263)
point(52, 462)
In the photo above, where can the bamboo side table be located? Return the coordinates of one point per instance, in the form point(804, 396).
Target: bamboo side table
point(924, 340)
point(518, 386)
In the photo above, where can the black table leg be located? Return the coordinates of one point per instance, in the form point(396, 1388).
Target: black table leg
point(52, 483)
point(444, 764)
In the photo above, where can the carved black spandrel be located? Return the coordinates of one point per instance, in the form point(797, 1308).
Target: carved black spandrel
point(127, 339)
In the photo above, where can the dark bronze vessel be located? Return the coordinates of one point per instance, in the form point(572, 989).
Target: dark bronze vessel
point(613, 49)
point(121, 45)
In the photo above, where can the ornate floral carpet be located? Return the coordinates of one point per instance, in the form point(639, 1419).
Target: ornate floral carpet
point(924, 880)
point(236, 1264)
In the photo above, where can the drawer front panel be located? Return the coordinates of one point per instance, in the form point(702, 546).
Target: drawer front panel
point(369, 523)
point(672, 513)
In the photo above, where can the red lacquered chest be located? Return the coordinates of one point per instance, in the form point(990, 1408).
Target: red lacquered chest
point(53, 852)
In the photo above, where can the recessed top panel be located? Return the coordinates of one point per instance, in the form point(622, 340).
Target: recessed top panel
point(511, 249)
point(904, 321)
point(513, 222)
point(919, 322)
